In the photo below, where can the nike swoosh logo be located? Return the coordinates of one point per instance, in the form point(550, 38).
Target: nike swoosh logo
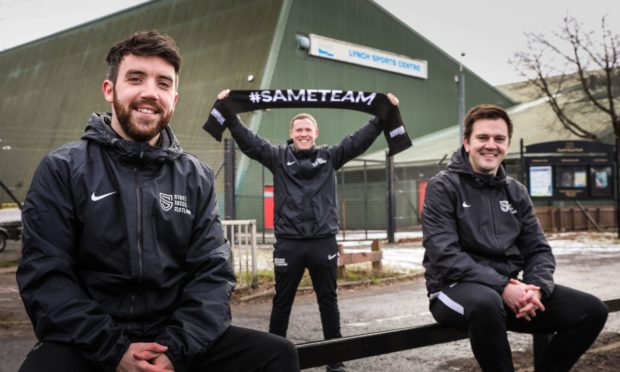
point(95, 198)
point(290, 162)
point(465, 205)
point(331, 256)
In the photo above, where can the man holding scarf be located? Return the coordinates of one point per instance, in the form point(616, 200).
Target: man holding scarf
point(306, 220)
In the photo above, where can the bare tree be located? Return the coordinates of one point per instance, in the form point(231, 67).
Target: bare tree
point(574, 59)
point(574, 63)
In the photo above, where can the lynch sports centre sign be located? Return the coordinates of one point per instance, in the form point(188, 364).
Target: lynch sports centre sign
point(325, 47)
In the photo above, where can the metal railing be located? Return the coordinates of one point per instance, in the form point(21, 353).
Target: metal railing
point(242, 237)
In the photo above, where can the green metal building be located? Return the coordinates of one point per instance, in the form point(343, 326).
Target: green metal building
point(50, 86)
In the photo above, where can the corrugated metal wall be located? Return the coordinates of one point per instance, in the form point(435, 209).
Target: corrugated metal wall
point(426, 105)
point(50, 87)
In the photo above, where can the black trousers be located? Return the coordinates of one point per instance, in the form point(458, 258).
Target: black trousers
point(574, 317)
point(290, 258)
point(239, 349)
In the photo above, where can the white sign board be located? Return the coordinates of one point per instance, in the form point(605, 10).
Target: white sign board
point(541, 181)
point(324, 47)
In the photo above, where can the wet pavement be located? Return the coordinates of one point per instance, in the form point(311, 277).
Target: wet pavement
point(589, 262)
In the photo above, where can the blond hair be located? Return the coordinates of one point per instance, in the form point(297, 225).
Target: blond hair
point(303, 115)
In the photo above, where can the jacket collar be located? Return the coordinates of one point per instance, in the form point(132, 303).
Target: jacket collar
point(99, 130)
point(301, 153)
point(459, 163)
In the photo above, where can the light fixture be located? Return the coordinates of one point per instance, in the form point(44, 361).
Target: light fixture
point(303, 42)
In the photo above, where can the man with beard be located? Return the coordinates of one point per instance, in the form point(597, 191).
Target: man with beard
point(488, 266)
point(124, 264)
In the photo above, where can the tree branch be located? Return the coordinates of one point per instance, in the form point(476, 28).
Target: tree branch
point(539, 65)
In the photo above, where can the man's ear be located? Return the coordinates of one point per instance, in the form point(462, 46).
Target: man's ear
point(108, 90)
point(316, 131)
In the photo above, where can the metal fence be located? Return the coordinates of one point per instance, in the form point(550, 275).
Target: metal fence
point(242, 237)
point(363, 200)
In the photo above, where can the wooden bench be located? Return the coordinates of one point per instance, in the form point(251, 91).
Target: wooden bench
point(319, 353)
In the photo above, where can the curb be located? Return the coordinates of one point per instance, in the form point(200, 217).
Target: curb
point(8, 270)
point(393, 279)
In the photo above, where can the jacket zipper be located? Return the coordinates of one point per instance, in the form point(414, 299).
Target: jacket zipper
point(138, 235)
point(493, 221)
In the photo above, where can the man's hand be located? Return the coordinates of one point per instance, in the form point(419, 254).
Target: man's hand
point(145, 357)
point(393, 99)
point(160, 360)
point(533, 303)
point(512, 295)
point(223, 94)
point(523, 299)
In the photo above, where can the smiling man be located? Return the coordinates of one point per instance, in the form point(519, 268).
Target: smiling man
point(124, 264)
point(487, 146)
point(303, 132)
point(143, 96)
point(306, 211)
point(488, 265)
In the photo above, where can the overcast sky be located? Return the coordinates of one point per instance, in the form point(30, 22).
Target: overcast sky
point(489, 32)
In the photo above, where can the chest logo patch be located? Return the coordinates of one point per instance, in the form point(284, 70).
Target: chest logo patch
point(176, 203)
point(505, 207)
point(165, 200)
point(318, 162)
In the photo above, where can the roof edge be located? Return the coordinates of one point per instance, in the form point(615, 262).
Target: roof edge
point(81, 25)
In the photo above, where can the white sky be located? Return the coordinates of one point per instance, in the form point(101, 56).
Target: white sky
point(489, 32)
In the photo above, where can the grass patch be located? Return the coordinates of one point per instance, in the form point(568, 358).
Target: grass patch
point(263, 278)
point(8, 263)
point(365, 276)
point(266, 277)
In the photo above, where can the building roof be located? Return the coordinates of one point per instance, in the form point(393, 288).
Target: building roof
point(533, 119)
point(52, 84)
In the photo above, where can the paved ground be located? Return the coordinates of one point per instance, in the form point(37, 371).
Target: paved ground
point(371, 308)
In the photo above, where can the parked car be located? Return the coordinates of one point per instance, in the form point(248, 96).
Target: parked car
point(10, 225)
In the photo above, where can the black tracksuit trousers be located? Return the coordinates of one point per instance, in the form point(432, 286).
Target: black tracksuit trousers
point(290, 258)
point(573, 317)
point(238, 349)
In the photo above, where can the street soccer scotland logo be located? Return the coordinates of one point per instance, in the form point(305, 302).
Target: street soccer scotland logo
point(505, 206)
point(176, 203)
point(165, 200)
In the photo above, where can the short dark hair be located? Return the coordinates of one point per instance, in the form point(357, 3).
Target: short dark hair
point(146, 44)
point(485, 111)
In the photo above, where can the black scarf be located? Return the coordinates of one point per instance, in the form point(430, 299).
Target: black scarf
point(373, 103)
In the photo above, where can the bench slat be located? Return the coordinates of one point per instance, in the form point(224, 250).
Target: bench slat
point(319, 353)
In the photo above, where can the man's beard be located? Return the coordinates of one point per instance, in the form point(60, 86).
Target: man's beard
point(135, 131)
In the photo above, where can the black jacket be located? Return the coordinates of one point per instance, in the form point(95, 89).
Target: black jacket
point(305, 181)
point(482, 229)
point(122, 243)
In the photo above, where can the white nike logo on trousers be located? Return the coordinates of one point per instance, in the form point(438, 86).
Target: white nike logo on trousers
point(331, 256)
point(95, 198)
